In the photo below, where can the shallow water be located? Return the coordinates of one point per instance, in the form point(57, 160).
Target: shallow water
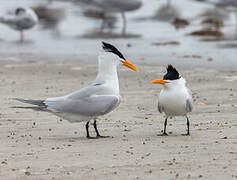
point(76, 38)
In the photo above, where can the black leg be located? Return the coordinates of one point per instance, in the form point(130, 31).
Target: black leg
point(187, 126)
point(187, 134)
point(165, 124)
point(87, 130)
point(97, 132)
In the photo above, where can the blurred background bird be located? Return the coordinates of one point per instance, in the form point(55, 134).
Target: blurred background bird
point(228, 5)
point(107, 7)
point(20, 19)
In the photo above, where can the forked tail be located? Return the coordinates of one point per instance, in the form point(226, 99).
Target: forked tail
point(40, 105)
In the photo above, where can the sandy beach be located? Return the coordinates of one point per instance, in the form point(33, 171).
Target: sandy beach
point(39, 145)
point(56, 60)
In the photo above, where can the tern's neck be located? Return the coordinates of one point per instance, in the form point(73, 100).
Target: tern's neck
point(176, 84)
point(107, 73)
point(107, 68)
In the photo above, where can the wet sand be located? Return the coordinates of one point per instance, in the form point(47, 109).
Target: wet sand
point(38, 145)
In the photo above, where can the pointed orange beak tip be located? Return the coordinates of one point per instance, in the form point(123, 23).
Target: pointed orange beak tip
point(159, 81)
point(130, 65)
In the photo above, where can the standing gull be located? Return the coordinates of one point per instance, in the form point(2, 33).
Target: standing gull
point(97, 99)
point(20, 19)
point(114, 6)
point(175, 98)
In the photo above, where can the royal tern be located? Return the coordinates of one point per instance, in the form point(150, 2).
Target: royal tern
point(175, 98)
point(99, 98)
point(20, 19)
point(114, 6)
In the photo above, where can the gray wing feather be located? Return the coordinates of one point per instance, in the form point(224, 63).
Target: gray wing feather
point(40, 105)
point(87, 91)
point(189, 101)
point(160, 109)
point(90, 106)
point(18, 22)
point(189, 105)
point(33, 102)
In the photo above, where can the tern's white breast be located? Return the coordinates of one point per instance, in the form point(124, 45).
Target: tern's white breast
point(173, 101)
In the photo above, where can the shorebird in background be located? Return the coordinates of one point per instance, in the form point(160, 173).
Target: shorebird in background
point(20, 19)
point(175, 98)
point(114, 6)
point(224, 4)
point(97, 99)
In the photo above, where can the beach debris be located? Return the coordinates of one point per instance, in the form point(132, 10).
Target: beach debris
point(192, 56)
point(216, 23)
point(180, 23)
point(210, 59)
point(207, 32)
point(166, 43)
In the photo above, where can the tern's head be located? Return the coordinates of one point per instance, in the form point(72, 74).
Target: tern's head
point(111, 53)
point(171, 78)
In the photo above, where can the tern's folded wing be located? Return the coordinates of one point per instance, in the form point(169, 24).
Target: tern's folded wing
point(189, 105)
point(160, 109)
point(23, 22)
point(93, 89)
point(189, 101)
point(90, 106)
point(9, 19)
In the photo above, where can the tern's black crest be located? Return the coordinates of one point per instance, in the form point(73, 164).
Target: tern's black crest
point(110, 48)
point(19, 10)
point(172, 73)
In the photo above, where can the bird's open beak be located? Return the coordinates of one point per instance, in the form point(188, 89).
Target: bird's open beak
point(159, 81)
point(130, 65)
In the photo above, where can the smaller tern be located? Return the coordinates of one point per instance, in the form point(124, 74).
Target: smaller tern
point(97, 99)
point(20, 19)
point(175, 98)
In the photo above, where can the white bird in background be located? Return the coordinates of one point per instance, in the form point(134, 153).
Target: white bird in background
point(20, 19)
point(99, 98)
point(114, 6)
point(224, 4)
point(175, 98)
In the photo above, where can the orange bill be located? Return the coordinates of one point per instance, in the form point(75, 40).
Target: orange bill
point(130, 65)
point(159, 81)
